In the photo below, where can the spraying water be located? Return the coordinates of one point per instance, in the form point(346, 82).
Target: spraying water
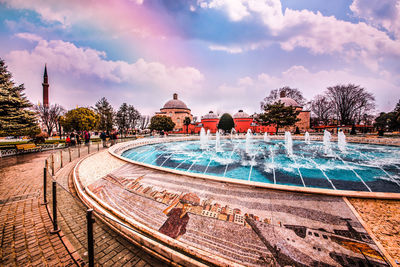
point(289, 143)
point(266, 137)
point(233, 131)
point(203, 139)
point(327, 143)
point(218, 142)
point(248, 141)
point(208, 134)
point(307, 139)
point(341, 141)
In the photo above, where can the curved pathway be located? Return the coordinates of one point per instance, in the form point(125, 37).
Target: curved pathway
point(25, 223)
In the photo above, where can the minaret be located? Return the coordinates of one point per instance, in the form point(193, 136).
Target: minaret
point(45, 85)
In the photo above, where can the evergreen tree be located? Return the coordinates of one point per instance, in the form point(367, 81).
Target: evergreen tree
point(15, 117)
point(133, 117)
point(122, 118)
point(187, 122)
point(106, 114)
point(226, 122)
point(279, 115)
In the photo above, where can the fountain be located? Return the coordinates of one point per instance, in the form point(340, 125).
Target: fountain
point(218, 142)
point(266, 137)
point(233, 131)
point(289, 162)
point(327, 143)
point(341, 141)
point(248, 141)
point(307, 139)
point(203, 139)
point(289, 143)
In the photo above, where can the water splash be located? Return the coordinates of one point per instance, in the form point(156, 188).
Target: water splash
point(203, 139)
point(248, 141)
point(327, 143)
point(289, 143)
point(341, 141)
point(218, 142)
point(307, 139)
point(266, 137)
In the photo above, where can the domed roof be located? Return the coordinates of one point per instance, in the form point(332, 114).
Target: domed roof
point(210, 115)
point(175, 103)
point(241, 114)
point(288, 102)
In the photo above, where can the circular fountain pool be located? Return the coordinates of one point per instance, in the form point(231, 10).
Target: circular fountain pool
point(360, 167)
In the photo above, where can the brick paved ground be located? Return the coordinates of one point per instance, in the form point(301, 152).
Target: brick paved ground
point(24, 222)
point(110, 248)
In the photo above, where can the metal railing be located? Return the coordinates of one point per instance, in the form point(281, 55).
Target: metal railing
point(66, 211)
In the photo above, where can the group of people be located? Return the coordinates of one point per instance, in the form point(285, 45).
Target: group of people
point(105, 136)
point(75, 138)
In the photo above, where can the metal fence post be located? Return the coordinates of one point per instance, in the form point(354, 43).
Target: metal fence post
point(79, 151)
point(69, 152)
point(90, 221)
point(55, 225)
point(45, 184)
point(52, 164)
point(98, 147)
point(88, 149)
point(61, 159)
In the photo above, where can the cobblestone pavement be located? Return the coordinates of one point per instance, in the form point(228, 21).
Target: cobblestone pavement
point(110, 247)
point(24, 222)
point(383, 218)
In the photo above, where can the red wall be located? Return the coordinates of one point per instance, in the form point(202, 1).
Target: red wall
point(241, 126)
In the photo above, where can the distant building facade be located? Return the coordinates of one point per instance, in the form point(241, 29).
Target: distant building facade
point(177, 111)
point(304, 115)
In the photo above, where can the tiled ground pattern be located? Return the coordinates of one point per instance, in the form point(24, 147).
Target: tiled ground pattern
point(383, 218)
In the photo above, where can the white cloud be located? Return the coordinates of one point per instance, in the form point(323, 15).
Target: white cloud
point(236, 9)
point(383, 86)
point(379, 13)
point(320, 34)
point(230, 50)
point(83, 64)
point(29, 36)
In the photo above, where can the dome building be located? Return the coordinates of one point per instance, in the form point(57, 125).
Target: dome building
point(304, 115)
point(177, 110)
point(242, 121)
point(210, 122)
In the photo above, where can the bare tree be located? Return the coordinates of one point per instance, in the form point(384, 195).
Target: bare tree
point(49, 115)
point(293, 93)
point(350, 102)
point(321, 108)
point(144, 122)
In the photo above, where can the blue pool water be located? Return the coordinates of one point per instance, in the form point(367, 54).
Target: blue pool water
point(361, 167)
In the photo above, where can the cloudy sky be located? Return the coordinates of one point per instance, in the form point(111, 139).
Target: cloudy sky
point(220, 55)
